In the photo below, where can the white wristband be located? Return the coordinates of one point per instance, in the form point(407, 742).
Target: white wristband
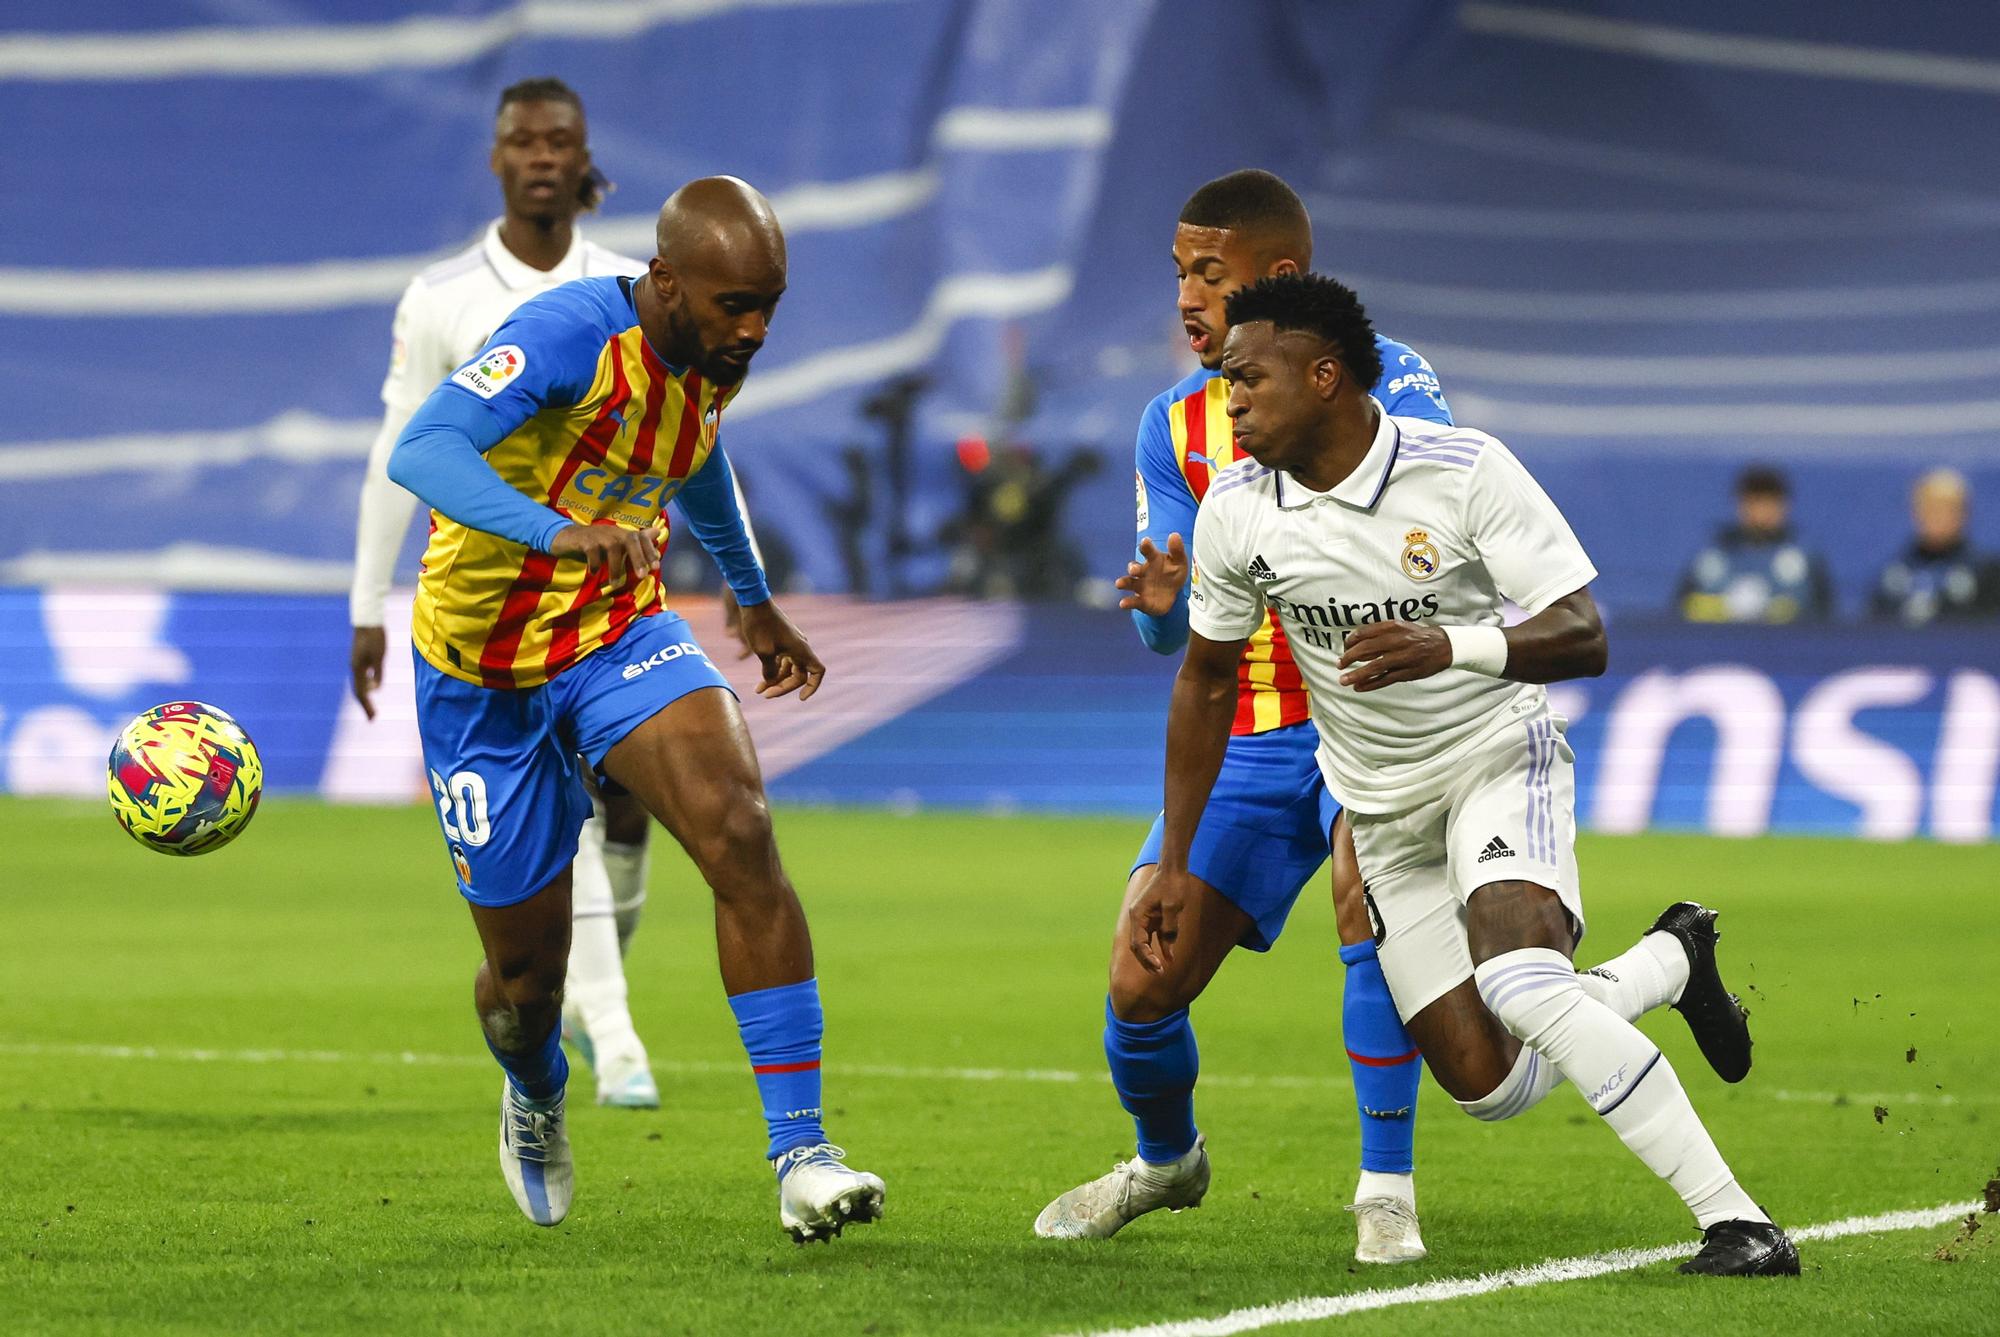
point(1478, 650)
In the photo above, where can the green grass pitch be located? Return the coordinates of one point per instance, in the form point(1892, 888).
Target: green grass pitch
point(275, 1166)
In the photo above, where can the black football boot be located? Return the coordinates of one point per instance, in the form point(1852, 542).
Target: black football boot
point(1717, 1017)
point(1744, 1249)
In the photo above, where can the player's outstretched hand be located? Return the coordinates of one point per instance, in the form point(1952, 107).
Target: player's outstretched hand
point(364, 665)
point(623, 552)
point(1153, 920)
point(788, 661)
point(1152, 583)
point(1381, 653)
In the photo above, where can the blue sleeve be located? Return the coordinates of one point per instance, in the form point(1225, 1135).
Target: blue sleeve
point(545, 354)
point(708, 500)
point(1409, 386)
point(439, 457)
point(1166, 506)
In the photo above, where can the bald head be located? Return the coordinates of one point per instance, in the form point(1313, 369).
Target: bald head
point(716, 216)
point(715, 283)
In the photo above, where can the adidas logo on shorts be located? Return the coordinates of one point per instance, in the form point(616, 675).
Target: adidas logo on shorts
point(1496, 848)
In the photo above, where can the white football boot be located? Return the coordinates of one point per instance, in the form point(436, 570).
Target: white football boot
point(625, 1078)
point(818, 1197)
point(1100, 1209)
point(627, 1083)
point(1386, 1231)
point(534, 1157)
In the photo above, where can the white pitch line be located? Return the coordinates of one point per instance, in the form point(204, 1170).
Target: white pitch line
point(1535, 1274)
point(406, 1058)
point(887, 1071)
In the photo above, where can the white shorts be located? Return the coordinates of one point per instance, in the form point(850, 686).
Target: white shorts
point(1510, 816)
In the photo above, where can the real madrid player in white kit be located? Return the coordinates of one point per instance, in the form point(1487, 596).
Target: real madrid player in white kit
point(1387, 547)
point(542, 158)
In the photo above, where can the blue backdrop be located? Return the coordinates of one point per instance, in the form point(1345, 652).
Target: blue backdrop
point(1642, 242)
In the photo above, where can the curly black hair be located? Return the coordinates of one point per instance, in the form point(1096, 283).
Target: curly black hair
point(1318, 305)
point(595, 185)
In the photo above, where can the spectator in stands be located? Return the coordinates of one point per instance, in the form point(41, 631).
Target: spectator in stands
point(1939, 578)
point(1756, 570)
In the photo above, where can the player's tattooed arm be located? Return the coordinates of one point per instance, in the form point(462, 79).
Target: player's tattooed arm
point(1563, 641)
point(1204, 704)
point(1154, 582)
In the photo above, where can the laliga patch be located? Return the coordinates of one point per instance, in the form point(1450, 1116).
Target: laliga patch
point(492, 371)
point(1145, 511)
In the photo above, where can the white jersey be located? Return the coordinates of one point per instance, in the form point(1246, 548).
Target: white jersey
point(1437, 524)
point(445, 317)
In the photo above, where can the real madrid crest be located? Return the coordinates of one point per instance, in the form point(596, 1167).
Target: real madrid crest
point(1420, 555)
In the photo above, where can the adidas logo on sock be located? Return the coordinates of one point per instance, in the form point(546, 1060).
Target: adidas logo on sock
point(1496, 848)
point(1260, 570)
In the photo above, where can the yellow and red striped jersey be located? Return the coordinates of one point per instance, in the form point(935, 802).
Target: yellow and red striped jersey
point(1270, 693)
point(604, 432)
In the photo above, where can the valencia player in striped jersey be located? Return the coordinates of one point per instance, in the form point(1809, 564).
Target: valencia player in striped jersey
point(1266, 828)
point(541, 635)
point(541, 156)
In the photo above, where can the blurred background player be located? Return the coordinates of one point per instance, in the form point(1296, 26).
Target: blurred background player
point(541, 155)
point(1266, 830)
point(1939, 577)
point(541, 636)
point(1756, 570)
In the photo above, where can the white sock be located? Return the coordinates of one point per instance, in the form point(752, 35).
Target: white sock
point(596, 988)
point(1531, 1078)
point(1538, 996)
point(626, 866)
point(1375, 1184)
point(1652, 974)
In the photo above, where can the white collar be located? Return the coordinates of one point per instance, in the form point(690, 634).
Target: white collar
point(1360, 489)
point(517, 273)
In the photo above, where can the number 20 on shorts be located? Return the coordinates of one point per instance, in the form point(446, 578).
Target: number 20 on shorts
point(461, 804)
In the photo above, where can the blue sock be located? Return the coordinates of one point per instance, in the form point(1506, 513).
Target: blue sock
point(781, 1031)
point(1387, 1067)
point(1153, 1066)
point(541, 1073)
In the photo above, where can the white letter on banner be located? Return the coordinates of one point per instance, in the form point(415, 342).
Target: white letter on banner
point(1968, 758)
point(1749, 718)
point(1838, 757)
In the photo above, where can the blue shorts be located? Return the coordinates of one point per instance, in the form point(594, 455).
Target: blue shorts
point(1265, 831)
point(503, 763)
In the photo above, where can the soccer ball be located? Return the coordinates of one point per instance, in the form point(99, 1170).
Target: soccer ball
point(184, 778)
